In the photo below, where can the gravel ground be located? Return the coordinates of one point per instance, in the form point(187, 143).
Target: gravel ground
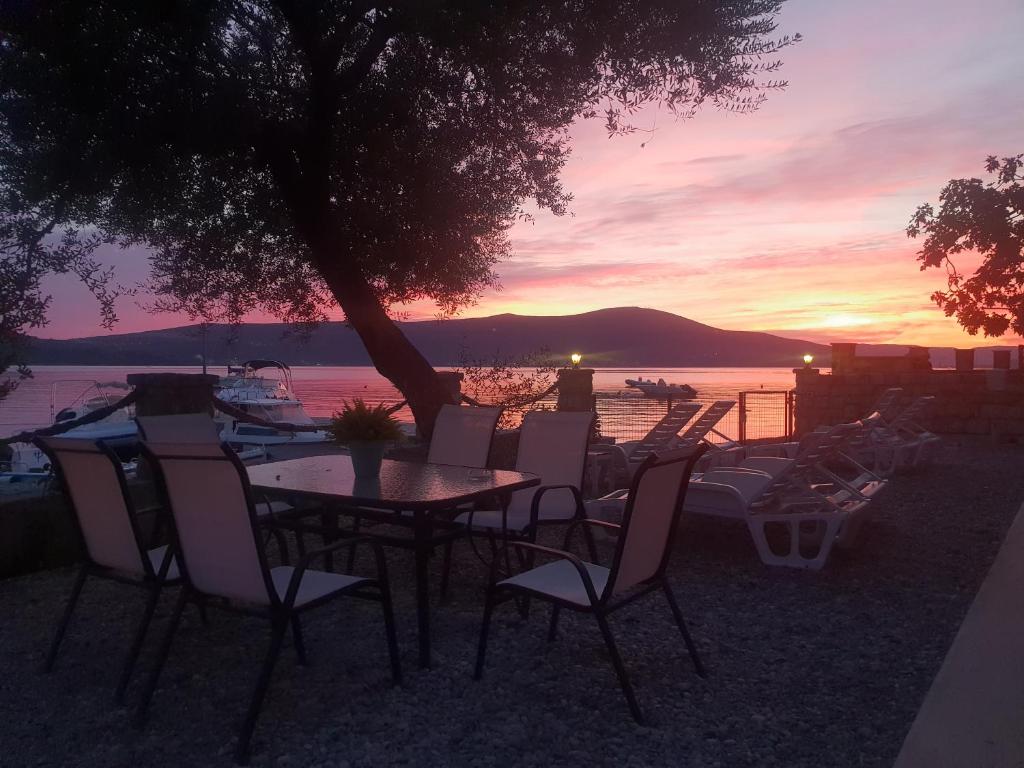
point(805, 669)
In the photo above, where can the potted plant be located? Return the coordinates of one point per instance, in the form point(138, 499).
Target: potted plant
point(367, 432)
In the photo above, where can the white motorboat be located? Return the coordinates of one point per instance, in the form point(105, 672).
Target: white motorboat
point(269, 397)
point(662, 390)
point(26, 463)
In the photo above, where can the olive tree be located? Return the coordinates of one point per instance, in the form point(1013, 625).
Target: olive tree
point(293, 155)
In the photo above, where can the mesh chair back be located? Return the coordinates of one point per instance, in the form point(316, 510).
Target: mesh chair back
point(705, 423)
point(553, 445)
point(208, 494)
point(462, 435)
point(650, 517)
point(94, 482)
point(664, 431)
point(179, 428)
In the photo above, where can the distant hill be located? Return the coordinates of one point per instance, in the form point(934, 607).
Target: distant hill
point(625, 336)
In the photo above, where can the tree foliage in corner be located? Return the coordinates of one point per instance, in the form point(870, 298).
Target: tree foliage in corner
point(976, 219)
point(287, 154)
point(33, 246)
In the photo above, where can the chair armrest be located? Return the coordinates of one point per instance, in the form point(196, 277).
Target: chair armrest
point(581, 569)
point(539, 494)
point(309, 557)
point(587, 521)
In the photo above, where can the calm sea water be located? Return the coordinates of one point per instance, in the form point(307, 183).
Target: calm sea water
point(323, 388)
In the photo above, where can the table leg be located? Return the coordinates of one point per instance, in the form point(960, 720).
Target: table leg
point(422, 544)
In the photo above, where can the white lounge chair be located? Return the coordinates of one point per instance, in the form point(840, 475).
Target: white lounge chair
point(705, 425)
point(901, 442)
point(661, 435)
point(217, 541)
point(816, 506)
point(637, 568)
point(97, 492)
point(626, 456)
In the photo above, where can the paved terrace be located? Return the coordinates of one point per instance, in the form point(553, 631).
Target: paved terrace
point(806, 669)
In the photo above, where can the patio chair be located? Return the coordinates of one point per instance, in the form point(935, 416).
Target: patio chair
point(553, 445)
point(463, 435)
point(94, 485)
point(223, 565)
point(638, 567)
point(195, 429)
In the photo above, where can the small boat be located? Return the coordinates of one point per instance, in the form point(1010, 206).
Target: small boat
point(660, 389)
point(268, 397)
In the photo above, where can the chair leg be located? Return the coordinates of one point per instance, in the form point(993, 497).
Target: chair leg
point(300, 644)
point(201, 610)
point(161, 658)
point(485, 629)
point(446, 569)
point(683, 630)
point(136, 646)
point(588, 534)
point(62, 626)
point(389, 630)
point(262, 683)
point(357, 524)
point(620, 669)
point(553, 626)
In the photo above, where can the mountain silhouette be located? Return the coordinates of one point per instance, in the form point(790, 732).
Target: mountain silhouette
point(623, 336)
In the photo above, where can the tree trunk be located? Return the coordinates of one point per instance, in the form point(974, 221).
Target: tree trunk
point(393, 355)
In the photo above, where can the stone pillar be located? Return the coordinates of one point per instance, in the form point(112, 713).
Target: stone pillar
point(452, 381)
point(842, 357)
point(1020, 357)
point(1001, 359)
point(805, 417)
point(576, 389)
point(964, 360)
point(919, 359)
point(163, 394)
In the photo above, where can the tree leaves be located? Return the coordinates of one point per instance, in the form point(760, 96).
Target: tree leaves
point(986, 219)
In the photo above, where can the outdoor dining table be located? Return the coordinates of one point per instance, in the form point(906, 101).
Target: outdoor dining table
point(422, 491)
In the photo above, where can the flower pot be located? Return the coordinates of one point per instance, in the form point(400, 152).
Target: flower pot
point(367, 456)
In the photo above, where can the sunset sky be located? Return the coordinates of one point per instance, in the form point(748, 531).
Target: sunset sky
point(789, 220)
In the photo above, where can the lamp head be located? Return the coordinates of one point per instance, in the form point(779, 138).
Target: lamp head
point(808, 359)
point(576, 359)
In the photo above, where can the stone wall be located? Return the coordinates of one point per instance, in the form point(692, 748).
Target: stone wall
point(983, 402)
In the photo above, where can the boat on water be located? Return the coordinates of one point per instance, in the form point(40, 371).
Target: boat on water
point(662, 390)
point(26, 464)
point(263, 388)
point(247, 387)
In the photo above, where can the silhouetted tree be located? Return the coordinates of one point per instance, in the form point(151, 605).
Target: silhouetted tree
point(34, 246)
point(285, 154)
point(979, 220)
